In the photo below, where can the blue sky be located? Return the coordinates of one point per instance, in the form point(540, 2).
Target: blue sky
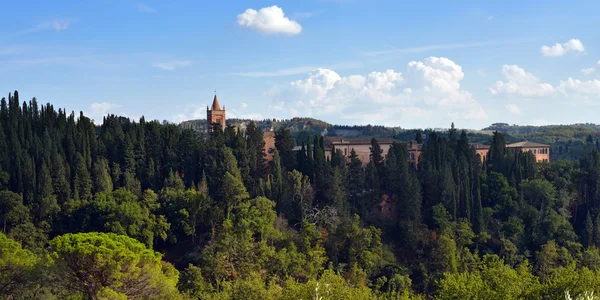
point(397, 63)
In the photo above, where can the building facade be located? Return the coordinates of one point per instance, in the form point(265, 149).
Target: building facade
point(215, 116)
point(540, 151)
point(362, 146)
point(269, 138)
point(482, 150)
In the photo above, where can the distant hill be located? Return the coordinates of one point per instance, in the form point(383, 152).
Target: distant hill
point(549, 134)
point(566, 141)
point(301, 128)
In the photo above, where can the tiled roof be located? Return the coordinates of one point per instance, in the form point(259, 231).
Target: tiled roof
point(526, 144)
point(338, 140)
point(478, 146)
point(216, 105)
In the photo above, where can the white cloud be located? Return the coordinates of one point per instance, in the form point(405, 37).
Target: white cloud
point(490, 18)
point(598, 63)
point(145, 8)
point(244, 105)
point(270, 20)
point(100, 109)
point(394, 50)
point(577, 87)
point(172, 65)
point(191, 112)
point(296, 70)
point(513, 109)
point(429, 87)
point(588, 71)
point(522, 83)
point(573, 45)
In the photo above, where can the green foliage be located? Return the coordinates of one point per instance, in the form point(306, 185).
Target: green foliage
point(303, 226)
point(107, 264)
point(17, 268)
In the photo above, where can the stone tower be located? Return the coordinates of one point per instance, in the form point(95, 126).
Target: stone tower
point(215, 116)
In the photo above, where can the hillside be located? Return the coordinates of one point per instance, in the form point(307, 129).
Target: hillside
point(566, 141)
point(301, 128)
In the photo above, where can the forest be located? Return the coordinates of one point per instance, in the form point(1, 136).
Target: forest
point(148, 210)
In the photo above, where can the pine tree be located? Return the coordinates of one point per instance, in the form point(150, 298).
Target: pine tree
point(284, 142)
point(256, 154)
point(356, 178)
point(46, 205)
point(419, 138)
point(83, 182)
point(277, 178)
point(101, 175)
point(377, 158)
point(588, 233)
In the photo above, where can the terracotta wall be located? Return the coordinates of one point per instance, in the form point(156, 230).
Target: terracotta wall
point(269, 144)
point(363, 151)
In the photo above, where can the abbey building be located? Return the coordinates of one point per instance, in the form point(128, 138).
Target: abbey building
point(216, 117)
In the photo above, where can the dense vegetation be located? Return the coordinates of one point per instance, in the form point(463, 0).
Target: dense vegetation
point(566, 141)
point(302, 128)
point(144, 210)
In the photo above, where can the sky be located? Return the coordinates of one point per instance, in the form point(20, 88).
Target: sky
point(413, 64)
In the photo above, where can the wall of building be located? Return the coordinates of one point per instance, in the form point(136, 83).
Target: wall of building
point(363, 151)
point(482, 153)
point(540, 153)
point(216, 116)
point(269, 138)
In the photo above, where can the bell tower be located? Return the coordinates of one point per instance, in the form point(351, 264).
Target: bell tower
point(216, 115)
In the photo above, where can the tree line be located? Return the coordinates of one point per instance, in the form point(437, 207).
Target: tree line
point(143, 210)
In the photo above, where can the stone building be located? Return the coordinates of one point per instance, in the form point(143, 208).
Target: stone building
point(269, 138)
point(215, 116)
point(540, 151)
point(481, 149)
point(362, 146)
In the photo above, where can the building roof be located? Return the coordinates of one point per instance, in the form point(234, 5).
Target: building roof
point(526, 144)
point(269, 134)
point(338, 140)
point(216, 105)
point(478, 146)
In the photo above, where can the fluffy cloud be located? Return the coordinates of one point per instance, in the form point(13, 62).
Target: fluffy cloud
point(522, 83)
point(429, 87)
point(172, 65)
point(577, 87)
point(270, 20)
point(573, 45)
point(100, 109)
point(588, 71)
point(513, 109)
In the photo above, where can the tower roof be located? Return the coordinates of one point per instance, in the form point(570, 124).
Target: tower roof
point(215, 105)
